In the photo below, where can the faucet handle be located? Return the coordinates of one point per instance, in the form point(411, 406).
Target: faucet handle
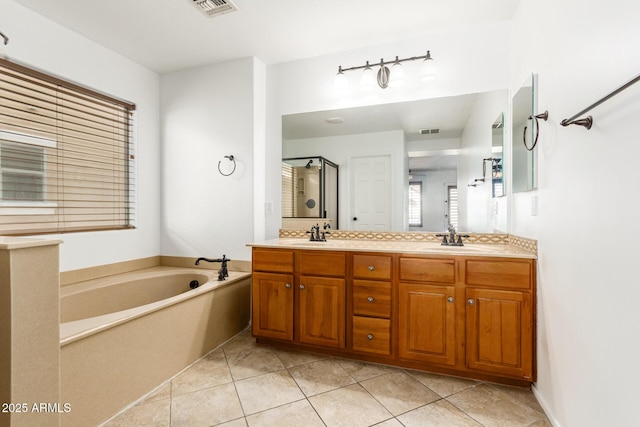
point(444, 238)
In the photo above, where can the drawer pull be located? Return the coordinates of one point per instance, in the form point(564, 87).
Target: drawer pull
point(287, 285)
point(470, 301)
point(450, 299)
point(370, 337)
point(301, 286)
point(371, 268)
point(370, 299)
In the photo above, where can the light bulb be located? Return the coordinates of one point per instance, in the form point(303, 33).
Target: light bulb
point(397, 74)
point(429, 70)
point(368, 79)
point(340, 81)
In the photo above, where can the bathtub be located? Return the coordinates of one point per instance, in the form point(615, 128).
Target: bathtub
point(122, 336)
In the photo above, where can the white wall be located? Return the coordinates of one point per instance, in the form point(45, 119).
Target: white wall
point(588, 207)
point(45, 45)
point(339, 149)
point(208, 113)
point(469, 61)
point(477, 212)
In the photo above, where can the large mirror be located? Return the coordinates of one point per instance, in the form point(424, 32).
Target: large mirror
point(406, 166)
point(523, 161)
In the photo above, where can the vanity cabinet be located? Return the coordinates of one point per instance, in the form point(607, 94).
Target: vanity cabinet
point(472, 316)
point(371, 304)
point(299, 297)
point(272, 294)
point(500, 317)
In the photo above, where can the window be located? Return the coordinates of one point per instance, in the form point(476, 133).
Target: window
point(415, 204)
point(66, 156)
point(452, 199)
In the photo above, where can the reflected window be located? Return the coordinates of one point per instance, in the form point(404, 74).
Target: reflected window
point(415, 204)
point(452, 202)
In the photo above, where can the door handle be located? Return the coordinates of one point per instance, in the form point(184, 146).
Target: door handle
point(355, 218)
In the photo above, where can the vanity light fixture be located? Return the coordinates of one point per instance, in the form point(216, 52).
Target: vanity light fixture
point(386, 77)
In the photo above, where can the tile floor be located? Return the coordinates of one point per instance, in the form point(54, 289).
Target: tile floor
point(246, 384)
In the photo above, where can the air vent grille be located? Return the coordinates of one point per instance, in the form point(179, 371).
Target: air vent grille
point(428, 131)
point(213, 8)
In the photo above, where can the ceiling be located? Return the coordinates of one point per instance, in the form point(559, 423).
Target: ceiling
point(169, 35)
point(448, 114)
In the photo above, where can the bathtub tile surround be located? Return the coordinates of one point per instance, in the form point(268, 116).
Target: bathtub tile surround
point(29, 315)
point(317, 390)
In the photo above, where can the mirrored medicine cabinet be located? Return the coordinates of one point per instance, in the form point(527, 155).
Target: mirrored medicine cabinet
point(523, 158)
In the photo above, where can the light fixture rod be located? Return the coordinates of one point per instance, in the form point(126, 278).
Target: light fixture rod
point(382, 62)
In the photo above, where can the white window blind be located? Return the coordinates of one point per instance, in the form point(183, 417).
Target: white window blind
point(415, 204)
point(453, 205)
point(66, 156)
point(287, 191)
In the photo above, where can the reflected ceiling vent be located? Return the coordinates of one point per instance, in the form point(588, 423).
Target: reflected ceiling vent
point(429, 131)
point(213, 8)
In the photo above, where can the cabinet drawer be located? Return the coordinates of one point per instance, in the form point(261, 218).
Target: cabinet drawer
point(272, 260)
point(372, 266)
point(428, 270)
point(514, 274)
point(372, 298)
point(321, 263)
point(371, 335)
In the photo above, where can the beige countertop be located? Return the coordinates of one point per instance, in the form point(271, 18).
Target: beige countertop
point(422, 248)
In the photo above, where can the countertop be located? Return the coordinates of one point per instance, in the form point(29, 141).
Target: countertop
point(422, 248)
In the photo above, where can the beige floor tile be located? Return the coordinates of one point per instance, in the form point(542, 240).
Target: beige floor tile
point(491, 407)
point(161, 393)
point(362, 370)
point(240, 422)
point(399, 392)
point(210, 371)
point(253, 363)
point(151, 414)
point(321, 376)
point(444, 385)
point(437, 414)
point(268, 391)
point(544, 422)
point(522, 395)
point(292, 358)
point(296, 414)
point(243, 343)
point(206, 407)
point(350, 406)
point(389, 423)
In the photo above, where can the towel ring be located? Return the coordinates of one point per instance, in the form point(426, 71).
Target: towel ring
point(232, 159)
point(544, 116)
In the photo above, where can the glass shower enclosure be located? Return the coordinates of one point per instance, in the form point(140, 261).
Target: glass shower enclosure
point(309, 191)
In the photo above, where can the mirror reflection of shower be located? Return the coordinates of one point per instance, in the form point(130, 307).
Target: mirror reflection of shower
point(309, 192)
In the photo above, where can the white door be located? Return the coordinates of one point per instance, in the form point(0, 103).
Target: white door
point(370, 193)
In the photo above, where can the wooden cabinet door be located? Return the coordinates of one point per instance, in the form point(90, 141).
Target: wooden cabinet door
point(322, 311)
point(426, 323)
point(272, 296)
point(499, 329)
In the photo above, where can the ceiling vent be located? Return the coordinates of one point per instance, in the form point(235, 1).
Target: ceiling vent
point(428, 131)
point(213, 8)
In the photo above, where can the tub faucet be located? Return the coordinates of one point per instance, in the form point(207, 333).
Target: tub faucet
point(222, 272)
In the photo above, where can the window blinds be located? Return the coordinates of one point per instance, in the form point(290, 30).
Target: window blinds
point(66, 156)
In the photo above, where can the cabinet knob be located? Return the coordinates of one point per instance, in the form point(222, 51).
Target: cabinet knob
point(370, 337)
point(287, 285)
point(471, 301)
point(371, 268)
point(450, 299)
point(301, 286)
point(370, 299)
